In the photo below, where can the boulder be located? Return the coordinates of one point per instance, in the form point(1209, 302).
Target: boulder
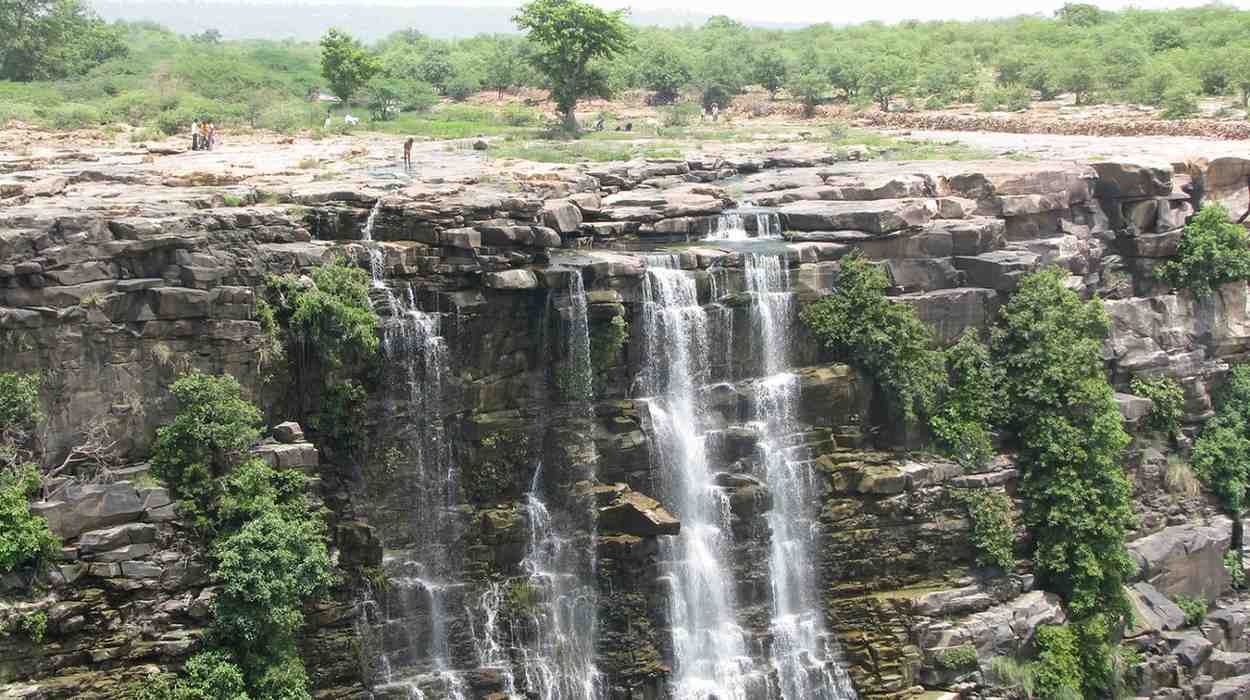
point(999, 270)
point(511, 280)
point(562, 215)
point(83, 507)
point(633, 513)
point(1125, 180)
point(1152, 611)
point(1185, 559)
point(876, 217)
point(299, 455)
point(288, 432)
point(114, 537)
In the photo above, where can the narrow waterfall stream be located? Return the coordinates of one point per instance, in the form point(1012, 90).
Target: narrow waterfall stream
point(742, 224)
point(709, 646)
point(558, 649)
point(802, 653)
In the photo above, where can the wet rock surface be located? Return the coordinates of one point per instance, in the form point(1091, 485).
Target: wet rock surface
point(117, 275)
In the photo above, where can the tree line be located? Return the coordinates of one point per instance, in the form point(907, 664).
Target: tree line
point(59, 52)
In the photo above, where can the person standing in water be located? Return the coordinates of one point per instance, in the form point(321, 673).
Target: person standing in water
point(408, 154)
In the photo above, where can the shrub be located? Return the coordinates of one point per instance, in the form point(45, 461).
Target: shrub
point(267, 568)
point(957, 658)
point(1221, 455)
point(517, 115)
point(1014, 675)
point(1070, 435)
point(74, 116)
point(1058, 668)
point(1195, 609)
point(32, 624)
point(212, 431)
point(1178, 103)
point(993, 528)
point(860, 325)
point(25, 540)
point(1168, 403)
point(1236, 569)
point(680, 114)
point(1212, 252)
point(289, 117)
point(972, 405)
point(333, 319)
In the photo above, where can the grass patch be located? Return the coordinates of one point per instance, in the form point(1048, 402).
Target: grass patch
point(581, 151)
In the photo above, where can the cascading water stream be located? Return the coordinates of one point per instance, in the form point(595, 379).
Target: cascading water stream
point(557, 656)
point(709, 646)
point(581, 374)
point(732, 225)
point(802, 653)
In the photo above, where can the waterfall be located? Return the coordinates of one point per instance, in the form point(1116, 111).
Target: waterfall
point(580, 374)
point(709, 647)
point(732, 225)
point(802, 654)
point(728, 227)
point(557, 658)
point(377, 259)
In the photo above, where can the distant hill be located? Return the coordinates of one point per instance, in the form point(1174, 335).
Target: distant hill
point(308, 21)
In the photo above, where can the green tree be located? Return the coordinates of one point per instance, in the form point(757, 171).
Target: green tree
point(49, 39)
point(1212, 252)
point(506, 65)
point(345, 64)
point(1077, 501)
point(665, 69)
point(810, 87)
point(1080, 14)
point(1075, 70)
point(860, 325)
point(770, 70)
point(886, 75)
point(384, 97)
point(972, 405)
point(569, 36)
point(1221, 455)
point(213, 429)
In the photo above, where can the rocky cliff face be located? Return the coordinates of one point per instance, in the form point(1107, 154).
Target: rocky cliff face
point(520, 467)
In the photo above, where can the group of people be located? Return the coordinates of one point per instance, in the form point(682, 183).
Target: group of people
point(203, 135)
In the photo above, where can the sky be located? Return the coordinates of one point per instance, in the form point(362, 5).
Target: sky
point(836, 11)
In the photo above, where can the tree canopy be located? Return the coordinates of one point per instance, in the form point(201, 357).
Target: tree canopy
point(570, 38)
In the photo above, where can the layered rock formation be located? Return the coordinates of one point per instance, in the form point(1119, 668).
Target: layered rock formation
point(515, 468)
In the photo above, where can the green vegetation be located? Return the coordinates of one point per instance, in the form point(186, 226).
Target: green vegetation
point(50, 39)
point(993, 528)
point(1077, 503)
point(1221, 455)
point(571, 40)
point(211, 433)
point(268, 545)
point(1236, 568)
point(346, 65)
point(575, 151)
point(957, 658)
point(1058, 670)
point(71, 70)
point(329, 332)
point(1212, 251)
point(973, 403)
point(859, 325)
point(606, 342)
point(26, 543)
point(1195, 608)
point(1168, 399)
point(32, 624)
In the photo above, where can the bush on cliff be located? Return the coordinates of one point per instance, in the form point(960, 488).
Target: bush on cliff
point(1221, 455)
point(25, 540)
point(972, 404)
point(1077, 503)
point(859, 325)
point(1212, 252)
point(1168, 401)
point(212, 431)
point(993, 527)
point(330, 331)
point(268, 545)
